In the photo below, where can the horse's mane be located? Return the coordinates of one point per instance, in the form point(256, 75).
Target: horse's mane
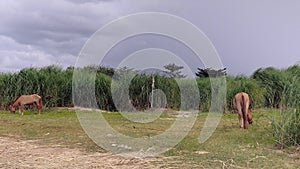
point(16, 99)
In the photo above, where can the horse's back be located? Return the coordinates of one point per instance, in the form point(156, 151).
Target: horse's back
point(36, 96)
point(240, 100)
point(28, 99)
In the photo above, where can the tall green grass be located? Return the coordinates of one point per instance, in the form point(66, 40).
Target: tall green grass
point(286, 128)
point(286, 96)
point(54, 84)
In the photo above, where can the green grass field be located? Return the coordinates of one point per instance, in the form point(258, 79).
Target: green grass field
point(229, 146)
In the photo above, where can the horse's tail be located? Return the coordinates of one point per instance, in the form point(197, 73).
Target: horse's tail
point(244, 111)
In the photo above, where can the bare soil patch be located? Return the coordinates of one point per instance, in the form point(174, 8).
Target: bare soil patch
point(29, 154)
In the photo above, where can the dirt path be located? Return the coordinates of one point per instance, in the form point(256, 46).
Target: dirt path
point(28, 154)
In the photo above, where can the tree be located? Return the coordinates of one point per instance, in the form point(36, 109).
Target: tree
point(174, 70)
point(209, 72)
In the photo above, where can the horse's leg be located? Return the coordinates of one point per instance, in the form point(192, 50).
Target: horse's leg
point(39, 110)
point(240, 113)
point(246, 123)
point(38, 107)
point(240, 118)
point(245, 118)
point(21, 109)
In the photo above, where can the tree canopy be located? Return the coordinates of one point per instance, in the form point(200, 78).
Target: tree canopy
point(174, 70)
point(209, 72)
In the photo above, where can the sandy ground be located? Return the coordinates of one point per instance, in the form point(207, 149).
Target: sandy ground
point(29, 154)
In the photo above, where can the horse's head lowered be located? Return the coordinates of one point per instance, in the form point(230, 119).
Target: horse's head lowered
point(249, 116)
point(12, 108)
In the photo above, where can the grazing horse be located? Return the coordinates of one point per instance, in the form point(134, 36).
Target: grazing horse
point(26, 100)
point(241, 103)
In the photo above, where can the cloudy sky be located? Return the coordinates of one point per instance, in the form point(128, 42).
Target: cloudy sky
point(247, 34)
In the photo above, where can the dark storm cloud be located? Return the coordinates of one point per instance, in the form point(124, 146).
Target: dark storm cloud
point(247, 34)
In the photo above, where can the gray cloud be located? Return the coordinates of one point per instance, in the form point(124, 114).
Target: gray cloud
point(89, 1)
point(247, 35)
point(32, 21)
point(15, 56)
point(53, 30)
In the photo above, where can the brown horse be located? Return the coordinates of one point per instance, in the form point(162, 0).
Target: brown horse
point(26, 100)
point(241, 103)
